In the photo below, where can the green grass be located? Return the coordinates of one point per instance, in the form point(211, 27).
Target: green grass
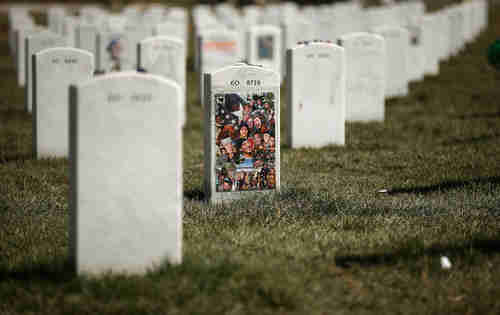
point(328, 243)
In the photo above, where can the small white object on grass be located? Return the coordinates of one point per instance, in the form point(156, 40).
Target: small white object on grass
point(382, 191)
point(445, 262)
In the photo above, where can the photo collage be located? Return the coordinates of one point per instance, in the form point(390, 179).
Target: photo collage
point(245, 142)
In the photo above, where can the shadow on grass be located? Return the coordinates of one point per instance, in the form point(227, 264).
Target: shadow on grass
point(5, 71)
point(17, 157)
point(56, 272)
point(195, 194)
point(446, 186)
point(415, 248)
point(477, 115)
point(14, 112)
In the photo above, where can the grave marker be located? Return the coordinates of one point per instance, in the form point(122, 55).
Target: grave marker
point(34, 44)
point(366, 76)
point(217, 49)
point(172, 29)
point(85, 37)
point(316, 89)
point(431, 35)
point(416, 51)
point(242, 132)
point(20, 51)
point(125, 173)
point(118, 51)
point(264, 46)
point(397, 42)
point(54, 69)
point(165, 56)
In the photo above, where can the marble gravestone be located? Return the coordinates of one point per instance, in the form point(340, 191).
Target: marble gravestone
point(456, 29)
point(133, 36)
point(69, 29)
point(217, 48)
point(20, 51)
point(55, 18)
point(442, 34)
point(110, 54)
point(397, 42)
point(165, 56)
point(54, 70)
point(118, 51)
point(32, 45)
point(431, 43)
point(242, 132)
point(125, 173)
point(293, 31)
point(316, 95)
point(85, 37)
point(366, 76)
point(171, 29)
point(264, 46)
point(416, 51)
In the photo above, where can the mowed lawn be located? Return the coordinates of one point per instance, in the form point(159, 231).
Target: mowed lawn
point(329, 243)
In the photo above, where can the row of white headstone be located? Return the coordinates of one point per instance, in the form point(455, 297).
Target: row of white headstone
point(123, 133)
point(163, 55)
point(112, 38)
point(454, 25)
point(329, 84)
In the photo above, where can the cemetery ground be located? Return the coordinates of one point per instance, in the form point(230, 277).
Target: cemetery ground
point(329, 242)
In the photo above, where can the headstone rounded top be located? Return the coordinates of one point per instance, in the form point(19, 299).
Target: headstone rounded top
point(43, 33)
point(266, 27)
point(243, 67)
point(217, 30)
point(53, 50)
point(316, 44)
point(389, 28)
point(123, 75)
point(173, 40)
point(356, 35)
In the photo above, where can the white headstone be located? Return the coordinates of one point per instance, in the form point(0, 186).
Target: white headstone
point(125, 173)
point(118, 51)
point(54, 70)
point(374, 17)
point(18, 23)
point(397, 42)
point(85, 37)
point(228, 15)
point(55, 19)
point(20, 51)
point(316, 89)
point(441, 33)
point(431, 37)
point(109, 52)
point(242, 132)
point(69, 29)
point(264, 46)
point(293, 31)
point(115, 23)
point(416, 52)
point(217, 48)
point(251, 14)
point(456, 29)
point(34, 44)
point(172, 29)
point(165, 56)
point(366, 76)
